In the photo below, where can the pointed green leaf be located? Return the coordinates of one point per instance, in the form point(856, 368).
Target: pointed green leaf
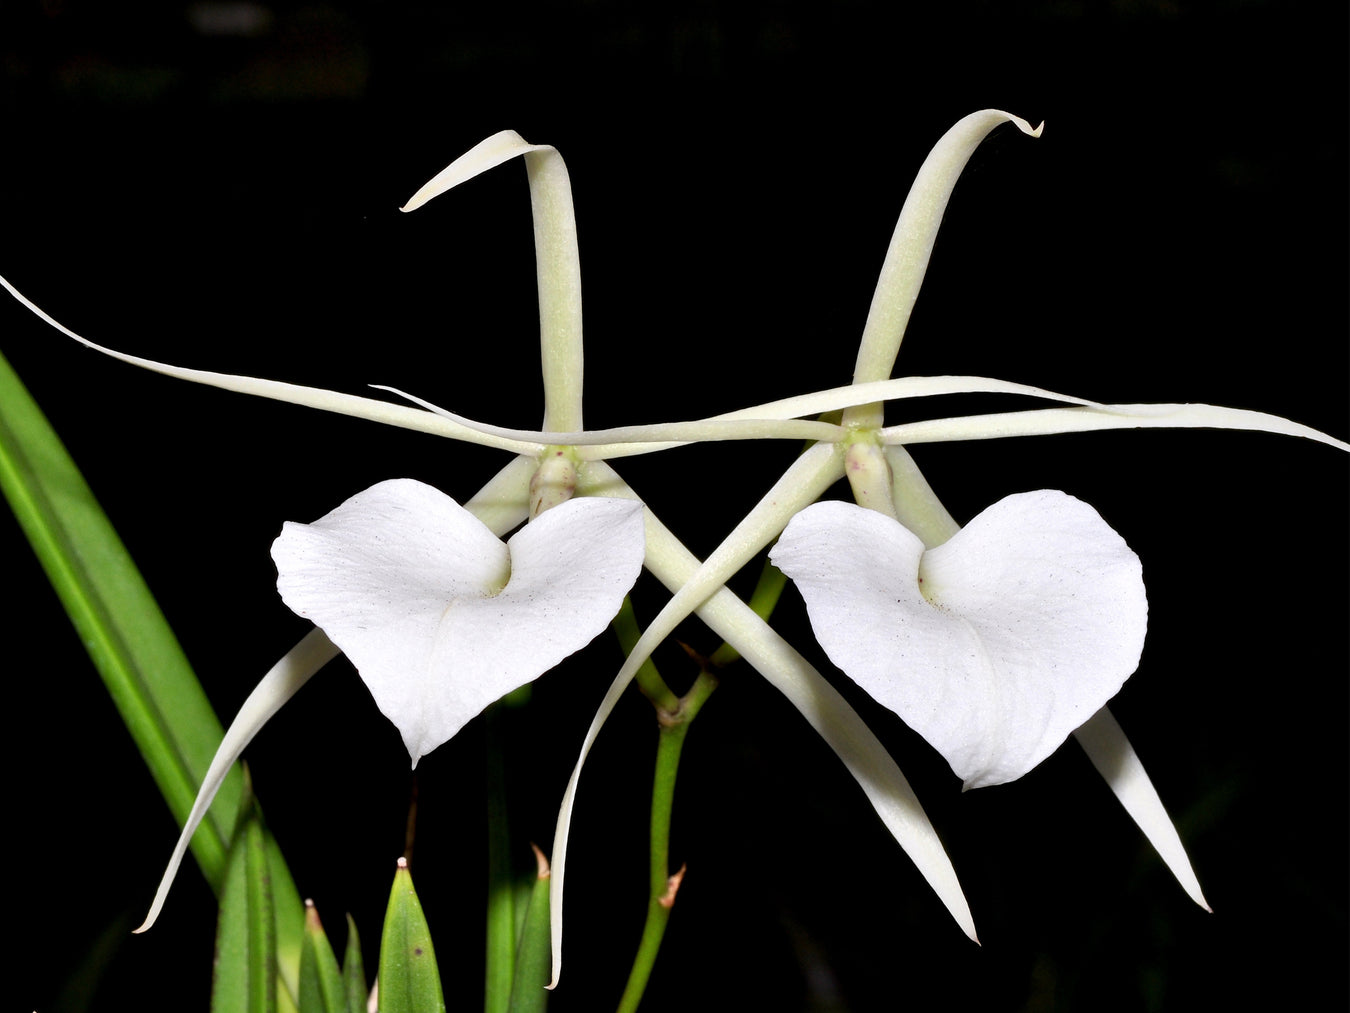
point(117, 618)
point(501, 915)
point(322, 989)
point(246, 943)
point(128, 639)
point(354, 971)
point(529, 991)
point(408, 981)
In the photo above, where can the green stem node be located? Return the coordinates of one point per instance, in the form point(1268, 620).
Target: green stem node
point(663, 886)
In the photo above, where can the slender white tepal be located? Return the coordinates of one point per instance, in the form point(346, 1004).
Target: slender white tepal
point(557, 260)
point(911, 245)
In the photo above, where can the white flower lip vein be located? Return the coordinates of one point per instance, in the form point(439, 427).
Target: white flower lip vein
point(995, 645)
point(439, 616)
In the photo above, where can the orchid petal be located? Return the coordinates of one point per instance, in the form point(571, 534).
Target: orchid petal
point(557, 260)
point(312, 397)
point(486, 154)
point(912, 245)
point(1115, 759)
point(281, 683)
point(438, 616)
point(773, 420)
point(1051, 421)
point(652, 437)
point(916, 505)
point(1100, 736)
point(995, 645)
point(503, 503)
point(828, 713)
point(901, 388)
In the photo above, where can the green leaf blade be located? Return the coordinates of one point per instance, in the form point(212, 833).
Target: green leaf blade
point(245, 979)
point(409, 981)
point(529, 991)
point(354, 971)
point(322, 988)
point(130, 642)
point(117, 619)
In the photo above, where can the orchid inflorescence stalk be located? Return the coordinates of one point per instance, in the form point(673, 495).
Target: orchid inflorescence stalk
point(995, 641)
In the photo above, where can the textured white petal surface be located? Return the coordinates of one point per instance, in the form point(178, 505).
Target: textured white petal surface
point(441, 618)
point(995, 645)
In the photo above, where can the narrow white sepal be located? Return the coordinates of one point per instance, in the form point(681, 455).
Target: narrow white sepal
point(557, 260)
point(993, 646)
point(778, 420)
point(1052, 421)
point(911, 247)
point(916, 505)
point(649, 438)
point(503, 503)
point(486, 154)
point(1115, 759)
point(281, 683)
point(438, 616)
point(311, 397)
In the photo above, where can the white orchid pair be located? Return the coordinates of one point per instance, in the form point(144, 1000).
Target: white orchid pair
point(994, 642)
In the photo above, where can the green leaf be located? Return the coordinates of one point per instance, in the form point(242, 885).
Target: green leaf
point(246, 942)
point(128, 639)
point(117, 618)
point(529, 992)
point(354, 971)
point(322, 988)
point(501, 920)
point(408, 979)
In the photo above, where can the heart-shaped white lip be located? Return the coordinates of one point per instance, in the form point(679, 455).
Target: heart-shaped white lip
point(440, 617)
point(993, 646)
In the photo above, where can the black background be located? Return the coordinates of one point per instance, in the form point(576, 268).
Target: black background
point(229, 202)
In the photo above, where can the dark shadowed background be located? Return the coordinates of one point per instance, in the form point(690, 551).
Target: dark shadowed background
point(216, 184)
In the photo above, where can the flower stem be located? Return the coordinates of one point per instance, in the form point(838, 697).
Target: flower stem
point(648, 679)
point(674, 725)
point(768, 589)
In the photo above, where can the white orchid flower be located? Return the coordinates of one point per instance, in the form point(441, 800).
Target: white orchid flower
point(440, 617)
point(885, 478)
point(405, 589)
point(856, 447)
point(996, 644)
